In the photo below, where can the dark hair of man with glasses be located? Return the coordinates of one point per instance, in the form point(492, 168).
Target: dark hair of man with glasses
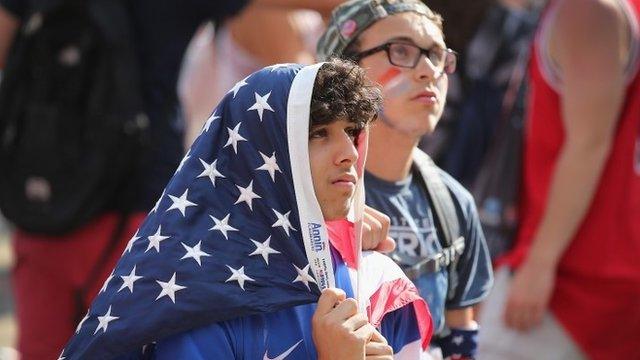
point(401, 46)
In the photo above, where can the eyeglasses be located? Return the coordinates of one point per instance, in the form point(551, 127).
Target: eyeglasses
point(408, 55)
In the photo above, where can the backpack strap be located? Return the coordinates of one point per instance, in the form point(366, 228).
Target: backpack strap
point(445, 214)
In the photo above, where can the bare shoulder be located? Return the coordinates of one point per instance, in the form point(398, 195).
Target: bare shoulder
point(586, 28)
point(579, 10)
point(587, 18)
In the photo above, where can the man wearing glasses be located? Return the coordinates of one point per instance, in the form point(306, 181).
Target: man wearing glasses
point(400, 45)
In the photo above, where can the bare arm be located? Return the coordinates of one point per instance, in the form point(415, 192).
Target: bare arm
point(278, 27)
point(460, 318)
point(592, 65)
point(589, 43)
point(8, 26)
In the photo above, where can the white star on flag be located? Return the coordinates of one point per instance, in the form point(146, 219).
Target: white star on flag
point(61, 357)
point(303, 276)
point(234, 138)
point(194, 252)
point(261, 104)
point(181, 203)
point(106, 282)
point(458, 340)
point(128, 280)
point(131, 241)
point(184, 160)
point(210, 171)
point(81, 323)
point(155, 208)
point(283, 221)
point(263, 249)
point(210, 120)
point(239, 276)
point(247, 195)
point(270, 165)
point(155, 239)
point(170, 288)
point(222, 225)
point(237, 87)
point(103, 321)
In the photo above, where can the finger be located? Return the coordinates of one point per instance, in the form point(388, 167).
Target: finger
point(368, 242)
point(345, 310)
point(375, 230)
point(537, 315)
point(377, 348)
point(387, 245)
point(356, 322)
point(365, 332)
point(531, 317)
point(510, 313)
point(377, 337)
point(522, 318)
point(329, 299)
point(380, 233)
point(383, 219)
point(379, 357)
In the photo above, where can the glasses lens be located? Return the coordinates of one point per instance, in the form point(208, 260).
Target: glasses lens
point(450, 61)
point(403, 55)
point(437, 57)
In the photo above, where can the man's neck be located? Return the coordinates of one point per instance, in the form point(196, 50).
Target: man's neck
point(390, 153)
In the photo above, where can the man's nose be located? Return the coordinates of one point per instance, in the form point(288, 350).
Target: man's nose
point(346, 153)
point(426, 70)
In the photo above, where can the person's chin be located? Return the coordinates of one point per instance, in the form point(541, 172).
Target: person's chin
point(337, 214)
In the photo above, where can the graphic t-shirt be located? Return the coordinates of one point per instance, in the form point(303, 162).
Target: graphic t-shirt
point(413, 227)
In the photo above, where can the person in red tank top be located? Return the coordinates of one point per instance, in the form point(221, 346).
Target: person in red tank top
point(575, 290)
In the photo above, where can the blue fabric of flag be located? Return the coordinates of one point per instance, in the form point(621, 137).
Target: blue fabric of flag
point(223, 240)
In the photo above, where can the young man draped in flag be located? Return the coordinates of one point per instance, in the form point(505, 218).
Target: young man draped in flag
point(232, 259)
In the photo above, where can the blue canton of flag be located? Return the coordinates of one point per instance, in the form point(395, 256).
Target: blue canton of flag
point(224, 239)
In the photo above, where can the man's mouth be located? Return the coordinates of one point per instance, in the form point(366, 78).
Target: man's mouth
point(347, 181)
point(426, 97)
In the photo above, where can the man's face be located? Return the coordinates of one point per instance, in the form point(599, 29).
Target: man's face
point(413, 98)
point(333, 156)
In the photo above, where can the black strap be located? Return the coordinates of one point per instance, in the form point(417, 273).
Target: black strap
point(98, 267)
point(444, 210)
point(414, 267)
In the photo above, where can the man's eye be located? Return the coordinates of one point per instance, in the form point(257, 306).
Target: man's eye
point(353, 132)
point(317, 134)
point(400, 50)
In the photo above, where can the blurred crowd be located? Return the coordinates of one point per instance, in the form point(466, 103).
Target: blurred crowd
point(541, 126)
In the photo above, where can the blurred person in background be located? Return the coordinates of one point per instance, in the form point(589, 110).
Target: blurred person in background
point(56, 275)
point(220, 56)
point(485, 154)
point(570, 288)
point(400, 44)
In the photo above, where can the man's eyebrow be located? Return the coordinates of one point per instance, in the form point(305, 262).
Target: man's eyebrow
point(402, 38)
point(410, 40)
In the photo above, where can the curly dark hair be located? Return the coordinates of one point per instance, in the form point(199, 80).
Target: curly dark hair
point(342, 90)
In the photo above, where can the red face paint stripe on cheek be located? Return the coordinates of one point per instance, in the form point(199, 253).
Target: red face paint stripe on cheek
point(384, 79)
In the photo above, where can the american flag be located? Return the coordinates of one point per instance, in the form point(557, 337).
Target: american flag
point(223, 241)
point(237, 231)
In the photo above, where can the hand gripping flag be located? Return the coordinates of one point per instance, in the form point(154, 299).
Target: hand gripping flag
point(237, 231)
